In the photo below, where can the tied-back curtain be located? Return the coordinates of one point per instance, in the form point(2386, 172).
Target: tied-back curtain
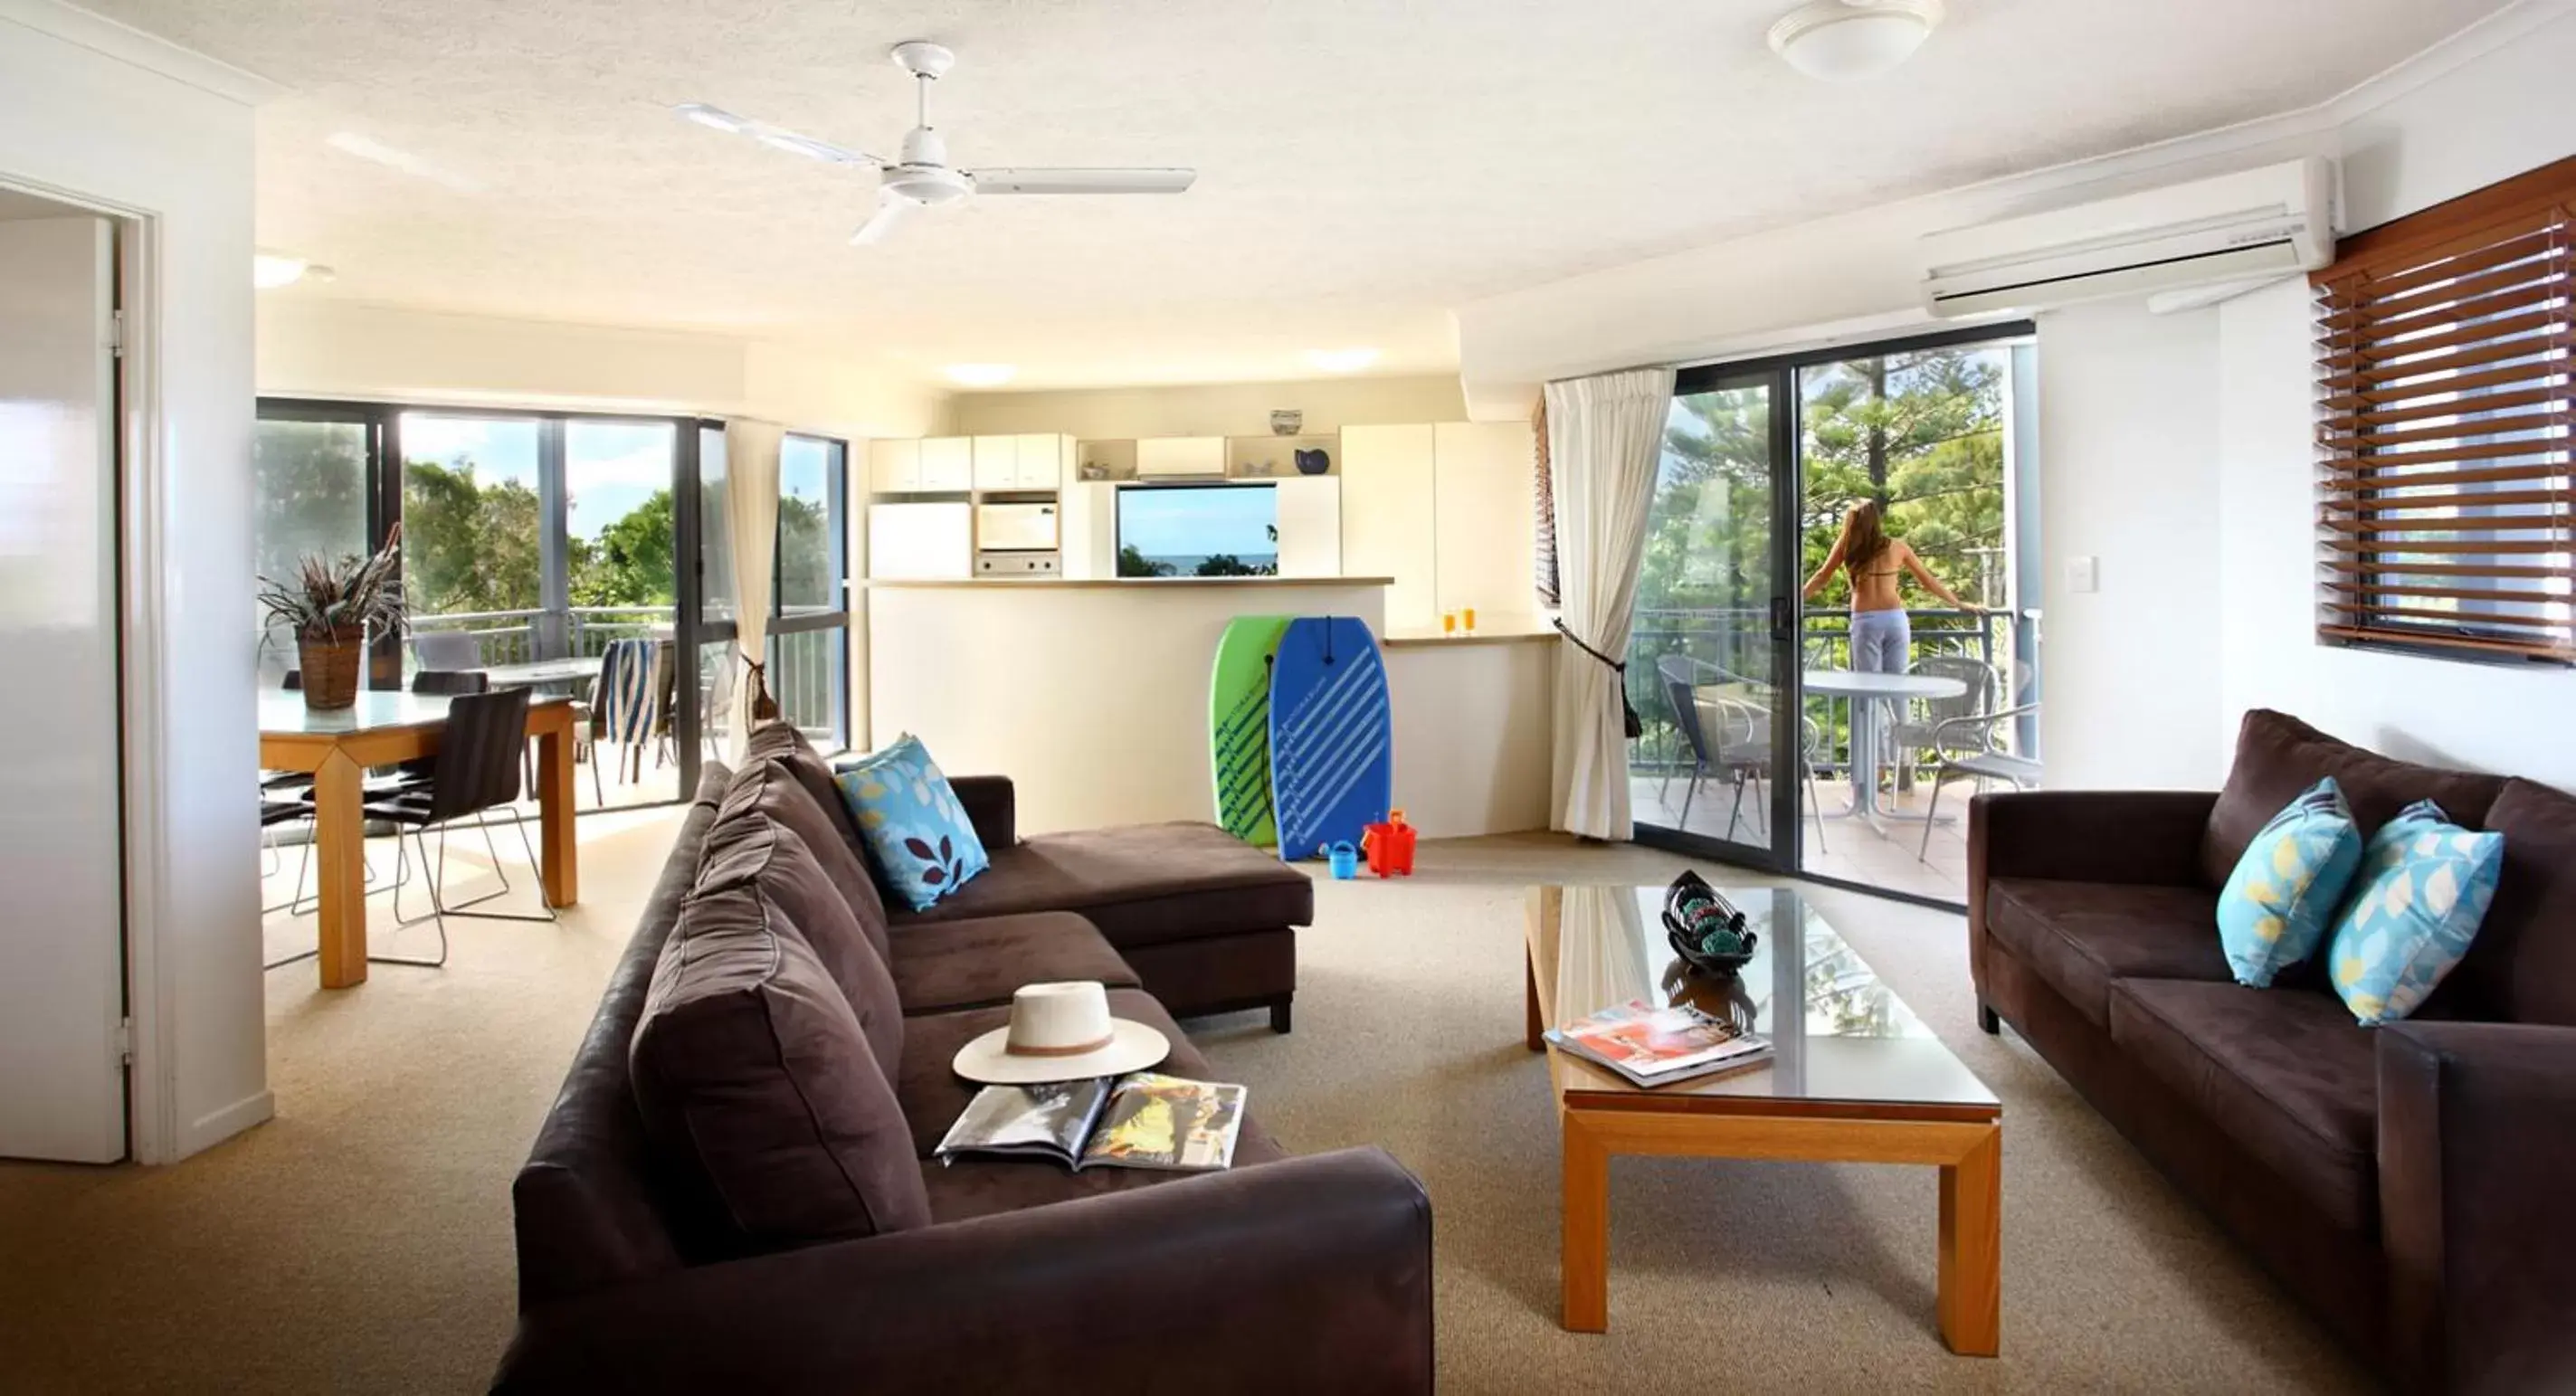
point(1543, 518)
point(1605, 440)
point(751, 518)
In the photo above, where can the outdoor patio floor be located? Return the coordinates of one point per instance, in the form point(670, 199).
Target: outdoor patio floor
point(1848, 850)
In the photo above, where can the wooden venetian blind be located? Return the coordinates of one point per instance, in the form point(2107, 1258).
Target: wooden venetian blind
point(2445, 519)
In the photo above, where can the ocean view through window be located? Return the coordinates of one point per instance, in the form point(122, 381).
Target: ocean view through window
point(1198, 531)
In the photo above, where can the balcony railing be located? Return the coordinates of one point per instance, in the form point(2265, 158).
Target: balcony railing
point(1738, 640)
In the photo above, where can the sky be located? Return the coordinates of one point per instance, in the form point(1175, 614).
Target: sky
point(1164, 521)
point(610, 467)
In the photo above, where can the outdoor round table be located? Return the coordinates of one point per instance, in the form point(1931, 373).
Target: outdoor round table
point(1864, 690)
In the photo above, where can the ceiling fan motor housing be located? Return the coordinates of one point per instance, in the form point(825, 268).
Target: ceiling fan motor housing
point(924, 176)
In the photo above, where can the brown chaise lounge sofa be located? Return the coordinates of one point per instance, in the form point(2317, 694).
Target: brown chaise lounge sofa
point(2414, 1184)
point(638, 1274)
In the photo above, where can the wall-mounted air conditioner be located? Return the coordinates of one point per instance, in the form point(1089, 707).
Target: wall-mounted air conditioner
point(2259, 224)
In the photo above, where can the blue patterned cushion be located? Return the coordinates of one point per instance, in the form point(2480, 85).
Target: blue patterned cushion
point(920, 842)
point(2277, 904)
point(2425, 886)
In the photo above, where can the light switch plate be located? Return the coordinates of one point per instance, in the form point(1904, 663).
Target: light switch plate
point(2083, 574)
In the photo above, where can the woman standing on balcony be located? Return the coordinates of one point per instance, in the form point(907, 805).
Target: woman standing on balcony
point(1882, 638)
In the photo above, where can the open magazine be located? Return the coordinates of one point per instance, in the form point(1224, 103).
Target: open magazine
point(1652, 1045)
point(1140, 1120)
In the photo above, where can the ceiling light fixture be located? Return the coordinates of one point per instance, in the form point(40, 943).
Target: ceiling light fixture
point(981, 375)
point(1853, 40)
point(1341, 360)
point(270, 270)
point(716, 117)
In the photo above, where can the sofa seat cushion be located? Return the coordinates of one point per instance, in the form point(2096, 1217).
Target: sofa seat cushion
point(2083, 936)
point(747, 849)
point(1141, 884)
point(759, 1092)
point(2286, 1073)
point(948, 965)
point(933, 1095)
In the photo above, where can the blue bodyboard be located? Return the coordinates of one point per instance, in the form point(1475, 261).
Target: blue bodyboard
point(1332, 736)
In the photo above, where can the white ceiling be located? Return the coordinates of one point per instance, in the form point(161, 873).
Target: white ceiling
point(1363, 166)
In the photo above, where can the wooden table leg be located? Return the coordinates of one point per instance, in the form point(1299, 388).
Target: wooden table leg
point(1972, 1249)
point(340, 864)
point(1535, 1031)
point(562, 871)
point(1585, 1262)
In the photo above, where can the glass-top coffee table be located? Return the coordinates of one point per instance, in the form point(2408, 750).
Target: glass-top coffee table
point(1857, 1079)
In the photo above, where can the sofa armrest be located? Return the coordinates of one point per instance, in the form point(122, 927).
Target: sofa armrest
point(2130, 836)
point(1310, 1274)
point(2477, 1128)
point(991, 807)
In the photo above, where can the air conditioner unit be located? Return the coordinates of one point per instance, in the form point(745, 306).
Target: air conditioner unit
point(2255, 225)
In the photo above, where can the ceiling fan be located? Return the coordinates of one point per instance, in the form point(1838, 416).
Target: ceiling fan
point(923, 177)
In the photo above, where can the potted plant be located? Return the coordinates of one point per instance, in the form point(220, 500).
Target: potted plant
point(330, 606)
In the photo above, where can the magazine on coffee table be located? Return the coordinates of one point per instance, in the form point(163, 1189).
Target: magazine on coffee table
point(1653, 1045)
point(1140, 1120)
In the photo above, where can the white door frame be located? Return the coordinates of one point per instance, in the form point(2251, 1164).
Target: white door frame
point(152, 1127)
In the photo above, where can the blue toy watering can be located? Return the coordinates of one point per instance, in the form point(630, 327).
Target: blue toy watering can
point(1344, 858)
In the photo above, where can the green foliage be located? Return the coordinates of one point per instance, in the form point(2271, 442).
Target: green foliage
point(473, 546)
point(337, 600)
point(629, 563)
point(805, 576)
point(1228, 565)
point(1132, 563)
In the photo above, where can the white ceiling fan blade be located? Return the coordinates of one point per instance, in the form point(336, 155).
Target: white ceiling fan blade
point(1109, 181)
point(893, 210)
point(775, 137)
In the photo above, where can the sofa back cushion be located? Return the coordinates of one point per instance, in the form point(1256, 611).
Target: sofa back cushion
point(746, 848)
point(754, 1077)
point(2522, 967)
point(782, 743)
point(2277, 756)
point(772, 788)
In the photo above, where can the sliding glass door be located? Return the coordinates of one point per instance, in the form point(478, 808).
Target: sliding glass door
point(1773, 736)
point(1708, 652)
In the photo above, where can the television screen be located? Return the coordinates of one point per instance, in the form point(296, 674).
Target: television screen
point(1198, 531)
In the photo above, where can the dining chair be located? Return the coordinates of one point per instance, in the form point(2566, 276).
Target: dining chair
point(1978, 684)
point(1747, 709)
point(1971, 746)
point(474, 772)
point(1679, 674)
point(625, 704)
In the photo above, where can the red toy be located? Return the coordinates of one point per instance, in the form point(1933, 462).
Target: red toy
point(1389, 846)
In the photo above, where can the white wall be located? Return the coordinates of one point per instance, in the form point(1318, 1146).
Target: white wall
point(95, 113)
point(2128, 426)
point(1227, 409)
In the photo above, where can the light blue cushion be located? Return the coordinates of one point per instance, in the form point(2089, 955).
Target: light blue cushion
point(920, 842)
point(2278, 903)
point(2424, 888)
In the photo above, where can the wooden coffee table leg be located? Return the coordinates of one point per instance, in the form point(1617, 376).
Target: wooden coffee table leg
point(1585, 1262)
point(1972, 1248)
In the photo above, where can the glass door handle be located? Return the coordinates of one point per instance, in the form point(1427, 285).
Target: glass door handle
point(1780, 619)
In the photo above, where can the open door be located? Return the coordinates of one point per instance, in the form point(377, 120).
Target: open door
point(62, 919)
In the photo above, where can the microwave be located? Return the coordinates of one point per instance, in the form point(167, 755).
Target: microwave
point(1015, 528)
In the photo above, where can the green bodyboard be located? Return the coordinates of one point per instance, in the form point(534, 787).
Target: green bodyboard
point(1239, 726)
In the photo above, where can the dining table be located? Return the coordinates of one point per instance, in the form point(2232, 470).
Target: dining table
point(1870, 694)
point(542, 673)
point(338, 746)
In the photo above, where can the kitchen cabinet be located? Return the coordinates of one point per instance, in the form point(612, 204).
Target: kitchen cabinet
point(1388, 529)
point(921, 542)
point(997, 462)
point(894, 467)
point(947, 463)
point(1166, 456)
point(1043, 461)
point(1482, 474)
point(1310, 526)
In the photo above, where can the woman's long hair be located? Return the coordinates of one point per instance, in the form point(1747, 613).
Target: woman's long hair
point(1867, 535)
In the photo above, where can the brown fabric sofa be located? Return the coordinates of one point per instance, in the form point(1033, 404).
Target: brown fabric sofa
point(2409, 1183)
point(734, 1190)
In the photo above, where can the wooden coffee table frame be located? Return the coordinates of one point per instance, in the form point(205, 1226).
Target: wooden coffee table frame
point(1965, 1142)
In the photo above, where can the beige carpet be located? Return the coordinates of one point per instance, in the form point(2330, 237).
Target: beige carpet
point(360, 1241)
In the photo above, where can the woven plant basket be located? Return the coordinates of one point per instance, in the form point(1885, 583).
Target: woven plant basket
point(331, 672)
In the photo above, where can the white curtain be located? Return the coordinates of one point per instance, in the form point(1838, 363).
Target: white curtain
point(1605, 439)
point(751, 520)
